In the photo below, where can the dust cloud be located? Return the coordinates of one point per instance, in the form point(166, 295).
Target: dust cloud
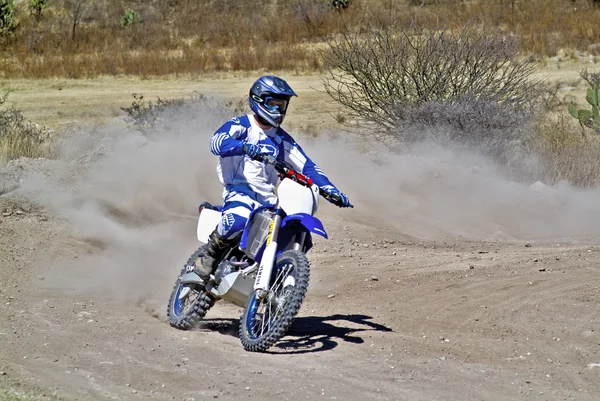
point(134, 198)
point(434, 192)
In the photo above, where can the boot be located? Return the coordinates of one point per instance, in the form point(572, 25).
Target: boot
point(213, 251)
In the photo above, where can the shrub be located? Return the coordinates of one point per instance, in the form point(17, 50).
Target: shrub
point(469, 80)
point(130, 17)
point(147, 117)
point(36, 8)
point(562, 153)
point(8, 22)
point(19, 137)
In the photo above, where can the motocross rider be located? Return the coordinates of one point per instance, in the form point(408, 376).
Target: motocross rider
point(248, 183)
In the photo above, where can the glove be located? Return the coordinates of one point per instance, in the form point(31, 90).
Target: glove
point(266, 148)
point(252, 150)
point(336, 197)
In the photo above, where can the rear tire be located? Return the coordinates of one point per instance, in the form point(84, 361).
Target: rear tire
point(266, 321)
point(186, 313)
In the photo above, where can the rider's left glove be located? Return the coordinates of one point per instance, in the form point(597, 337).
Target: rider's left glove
point(338, 198)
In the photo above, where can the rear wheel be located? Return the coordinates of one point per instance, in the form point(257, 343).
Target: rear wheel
point(188, 303)
point(265, 321)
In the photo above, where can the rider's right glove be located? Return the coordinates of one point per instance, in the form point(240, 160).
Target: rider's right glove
point(266, 147)
point(339, 198)
point(252, 150)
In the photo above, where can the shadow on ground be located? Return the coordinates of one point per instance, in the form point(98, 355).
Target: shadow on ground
point(309, 333)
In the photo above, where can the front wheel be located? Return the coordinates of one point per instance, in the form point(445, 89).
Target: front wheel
point(265, 321)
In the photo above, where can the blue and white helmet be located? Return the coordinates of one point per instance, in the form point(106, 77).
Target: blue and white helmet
point(269, 99)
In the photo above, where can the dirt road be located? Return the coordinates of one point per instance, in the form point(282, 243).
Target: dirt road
point(387, 318)
point(446, 282)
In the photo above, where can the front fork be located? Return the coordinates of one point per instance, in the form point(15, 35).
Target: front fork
point(263, 276)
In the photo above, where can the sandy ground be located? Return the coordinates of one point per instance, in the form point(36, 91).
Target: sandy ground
point(408, 300)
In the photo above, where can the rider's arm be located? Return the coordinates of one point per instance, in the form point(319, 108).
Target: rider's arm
point(294, 155)
point(229, 139)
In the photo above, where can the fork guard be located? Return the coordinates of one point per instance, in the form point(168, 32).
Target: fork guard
point(311, 223)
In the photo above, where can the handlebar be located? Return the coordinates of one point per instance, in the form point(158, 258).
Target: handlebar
point(287, 171)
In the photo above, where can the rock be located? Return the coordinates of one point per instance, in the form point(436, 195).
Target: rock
point(528, 245)
point(330, 295)
point(373, 278)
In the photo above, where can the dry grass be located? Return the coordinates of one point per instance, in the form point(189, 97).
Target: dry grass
point(191, 37)
point(20, 137)
point(564, 152)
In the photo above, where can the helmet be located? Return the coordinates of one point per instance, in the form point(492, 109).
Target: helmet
point(269, 98)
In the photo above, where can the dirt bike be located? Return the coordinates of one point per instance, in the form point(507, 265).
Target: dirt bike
point(266, 273)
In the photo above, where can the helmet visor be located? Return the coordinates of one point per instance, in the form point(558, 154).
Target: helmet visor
point(276, 104)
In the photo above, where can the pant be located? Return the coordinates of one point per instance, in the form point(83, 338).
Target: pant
point(236, 211)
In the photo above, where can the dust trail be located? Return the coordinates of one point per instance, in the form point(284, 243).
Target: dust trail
point(134, 199)
point(434, 192)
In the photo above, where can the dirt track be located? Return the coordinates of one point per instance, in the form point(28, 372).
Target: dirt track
point(409, 320)
point(432, 288)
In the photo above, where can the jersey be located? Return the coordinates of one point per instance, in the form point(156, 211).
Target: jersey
point(239, 173)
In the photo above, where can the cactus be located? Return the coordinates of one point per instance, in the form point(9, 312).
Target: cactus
point(589, 118)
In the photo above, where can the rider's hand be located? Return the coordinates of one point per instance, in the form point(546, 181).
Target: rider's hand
point(252, 150)
point(265, 147)
point(337, 198)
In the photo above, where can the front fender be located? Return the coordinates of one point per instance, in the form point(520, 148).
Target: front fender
point(311, 223)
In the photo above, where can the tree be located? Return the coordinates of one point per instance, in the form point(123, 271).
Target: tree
point(36, 7)
point(77, 9)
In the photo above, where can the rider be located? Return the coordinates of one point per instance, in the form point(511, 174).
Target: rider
point(248, 183)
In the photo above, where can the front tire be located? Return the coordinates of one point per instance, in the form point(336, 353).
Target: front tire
point(185, 313)
point(266, 321)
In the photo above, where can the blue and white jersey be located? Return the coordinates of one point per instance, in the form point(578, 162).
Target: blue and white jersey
point(239, 173)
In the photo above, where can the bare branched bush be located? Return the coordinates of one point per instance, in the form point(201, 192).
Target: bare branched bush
point(379, 72)
point(492, 128)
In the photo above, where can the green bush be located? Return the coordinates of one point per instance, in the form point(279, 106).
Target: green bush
point(8, 22)
point(36, 8)
point(130, 17)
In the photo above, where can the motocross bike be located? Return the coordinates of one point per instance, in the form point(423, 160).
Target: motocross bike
point(267, 272)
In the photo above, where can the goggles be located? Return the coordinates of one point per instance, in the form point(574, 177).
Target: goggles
point(276, 104)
